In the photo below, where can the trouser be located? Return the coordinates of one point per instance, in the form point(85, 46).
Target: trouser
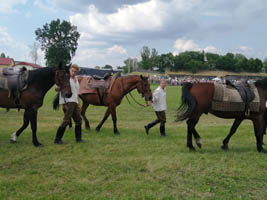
point(161, 118)
point(71, 110)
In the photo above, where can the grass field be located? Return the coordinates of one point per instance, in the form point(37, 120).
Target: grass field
point(132, 165)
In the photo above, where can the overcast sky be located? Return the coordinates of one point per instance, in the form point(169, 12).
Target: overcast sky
point(114, 30)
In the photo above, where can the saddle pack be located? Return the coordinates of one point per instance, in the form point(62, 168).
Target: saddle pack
point(246, 93)
point(14, 82)
point(97, 85)
point(242, 97)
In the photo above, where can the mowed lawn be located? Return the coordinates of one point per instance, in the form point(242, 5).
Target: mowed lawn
point(132, 165)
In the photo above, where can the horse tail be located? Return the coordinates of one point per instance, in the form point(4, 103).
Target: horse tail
point(188, 104)
point(56, 102)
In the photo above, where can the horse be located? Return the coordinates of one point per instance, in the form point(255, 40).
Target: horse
point(197, 99)
point(31, 99)
point(233, 129)
point(120, 87)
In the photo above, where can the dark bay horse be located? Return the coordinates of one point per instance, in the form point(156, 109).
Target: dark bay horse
point(197, 99)
point(235, 126)
point(120, 87)
point(31, 99)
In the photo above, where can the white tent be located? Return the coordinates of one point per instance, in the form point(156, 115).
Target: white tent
point(216, 79)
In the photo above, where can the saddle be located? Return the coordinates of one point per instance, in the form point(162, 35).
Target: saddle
point(14, 82)
point(246, 93)
point(105, 77)
point(102, 86)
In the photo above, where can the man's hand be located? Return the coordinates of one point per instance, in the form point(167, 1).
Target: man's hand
point(148, 103)
point(57, 89)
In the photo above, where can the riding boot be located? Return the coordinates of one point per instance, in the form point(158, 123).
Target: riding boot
point(59, 135)
point(78, 133)
point(150, 125)
point(162, 130)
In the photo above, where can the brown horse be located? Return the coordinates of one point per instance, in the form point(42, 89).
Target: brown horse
point(31, 99)
point(120, 87)
point(197, 99)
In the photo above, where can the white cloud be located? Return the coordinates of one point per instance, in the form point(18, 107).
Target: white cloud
point(117, 49)
point(91, 57)
point(131, 18)
point(181, 45)
point(12, 48)
point(9, 6)
point(45, 5)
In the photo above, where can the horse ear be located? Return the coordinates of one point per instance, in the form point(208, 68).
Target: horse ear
point(141, 76)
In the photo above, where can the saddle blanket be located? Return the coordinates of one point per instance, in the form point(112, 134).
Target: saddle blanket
point(89, 85)
point(226, 98)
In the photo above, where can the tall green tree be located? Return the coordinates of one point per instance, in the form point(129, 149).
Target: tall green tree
point(2, 55)
point(59, 40)
point(145, 56)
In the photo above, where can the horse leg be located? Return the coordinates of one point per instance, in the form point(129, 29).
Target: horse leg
point(16, 134)
point(83, 114)
point(103, 120)
point(33, 120)
point(114, 119)
point(233, 129)
point(198, 140)
point(258, 131)
point(190, 129)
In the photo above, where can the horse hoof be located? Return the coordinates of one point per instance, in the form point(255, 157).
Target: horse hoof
point(224, 147)
point(97, 129)
point(38, 145)
point(13, 141)
point(264, 151)
point(192, 149)
point(116, 132)
point(87, 128)
point(199, 145)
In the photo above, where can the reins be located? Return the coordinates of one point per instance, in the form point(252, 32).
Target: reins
point(134, 100)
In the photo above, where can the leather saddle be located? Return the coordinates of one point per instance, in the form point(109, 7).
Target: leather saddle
point(14, 82)
point(105, 77)
point(246, 93)
point(98, 82)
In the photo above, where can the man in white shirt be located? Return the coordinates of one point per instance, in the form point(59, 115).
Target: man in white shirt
point(159, 105)
point(71, 108)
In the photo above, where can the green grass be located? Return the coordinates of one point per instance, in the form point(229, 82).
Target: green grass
point(132, 165)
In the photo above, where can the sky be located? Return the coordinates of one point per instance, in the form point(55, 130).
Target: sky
point(114, 30)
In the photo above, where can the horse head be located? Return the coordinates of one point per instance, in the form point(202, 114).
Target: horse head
point(143, 87)
point(62, 80)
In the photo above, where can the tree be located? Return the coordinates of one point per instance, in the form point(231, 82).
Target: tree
point(2, 55)
point(59, 40)
point(34, 51)
point(107, 67)
point(145, 55)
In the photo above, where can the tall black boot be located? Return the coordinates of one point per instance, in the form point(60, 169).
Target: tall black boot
point(150, 125)
point(78, 133)
point(59, 135)
point(162, 130)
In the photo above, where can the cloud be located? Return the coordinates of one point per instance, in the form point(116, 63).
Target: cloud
point(9, 6)
point(104, 6)
point(181, 45)
point(117, 49)
point(10, 47)
point(128, 19)
point(91, 57)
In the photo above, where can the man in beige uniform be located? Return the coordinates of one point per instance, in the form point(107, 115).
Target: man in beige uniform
point(159, 105)
point(71, 108)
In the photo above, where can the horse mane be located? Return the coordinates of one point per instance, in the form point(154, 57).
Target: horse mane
point(39, 74)
point(262, 83)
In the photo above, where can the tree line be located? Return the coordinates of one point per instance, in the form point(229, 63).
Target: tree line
point(195, 61)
